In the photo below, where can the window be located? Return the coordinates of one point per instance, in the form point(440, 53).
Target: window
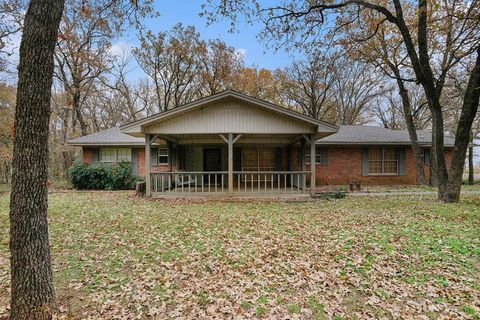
point(124, 154)
point(320, 156)
point(162, 156)
point(108, 155)
point(115, 154)
point(382, 161)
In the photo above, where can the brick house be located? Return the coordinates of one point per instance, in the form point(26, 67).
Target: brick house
point(231, 143)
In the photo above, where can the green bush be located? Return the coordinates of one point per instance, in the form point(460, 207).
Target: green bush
point(102, 176)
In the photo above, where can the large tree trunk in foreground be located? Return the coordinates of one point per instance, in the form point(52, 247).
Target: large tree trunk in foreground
point(32, 295)
point(462, 137)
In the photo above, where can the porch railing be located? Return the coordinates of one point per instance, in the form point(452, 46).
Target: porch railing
point(200, 181)
point(216, 182)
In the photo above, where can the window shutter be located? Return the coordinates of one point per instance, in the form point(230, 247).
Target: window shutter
point(324, 156)
point(154, 156)
point(133, 163)
point(426, 156)
point(365, 161)
point(401, 161)
point(96, 155)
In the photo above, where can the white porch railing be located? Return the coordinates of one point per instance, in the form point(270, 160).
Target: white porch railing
point(270, 181)
point(217, 182)
point(182, 182)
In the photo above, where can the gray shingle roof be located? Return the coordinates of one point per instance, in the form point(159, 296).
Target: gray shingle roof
point(112, 136)
point(346, 135)
point(370, 135)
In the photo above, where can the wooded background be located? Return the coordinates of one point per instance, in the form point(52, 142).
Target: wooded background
point(338, 80)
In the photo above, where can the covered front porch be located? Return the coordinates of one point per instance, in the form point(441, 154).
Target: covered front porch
point(231, 164)
point(230, 145)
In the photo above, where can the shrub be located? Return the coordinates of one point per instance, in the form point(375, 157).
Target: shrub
point(102, 176)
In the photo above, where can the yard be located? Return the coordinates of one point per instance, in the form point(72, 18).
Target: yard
point(117, 256)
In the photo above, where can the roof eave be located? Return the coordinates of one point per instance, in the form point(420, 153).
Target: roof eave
point(373, 143)
point(93, 144)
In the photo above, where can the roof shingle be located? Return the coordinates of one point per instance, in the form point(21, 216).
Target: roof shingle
point(112, 136)
point(369, 135)
point(346, 135)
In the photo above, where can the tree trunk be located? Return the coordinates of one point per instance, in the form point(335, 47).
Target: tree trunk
point(412, 132)
point(32, 292)
point(462, 136)
point(471, 169)
point(78, 111)
point(438, 139)
point(433, 164)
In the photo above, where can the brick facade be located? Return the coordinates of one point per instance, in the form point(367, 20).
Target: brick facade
point(141, 164)
point(344, 165)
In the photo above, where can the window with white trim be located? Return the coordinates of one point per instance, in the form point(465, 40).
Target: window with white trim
point(162, 156)
point(320, 156)
point(124, 154)
point(382, 161)
point(115, 154)
point(108, 155)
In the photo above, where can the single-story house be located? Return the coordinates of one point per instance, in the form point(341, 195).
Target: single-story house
point(231, 143)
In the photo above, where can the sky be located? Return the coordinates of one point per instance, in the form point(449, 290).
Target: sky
point(243, 39)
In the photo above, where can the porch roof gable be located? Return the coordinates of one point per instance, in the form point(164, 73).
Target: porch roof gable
point(287, 120)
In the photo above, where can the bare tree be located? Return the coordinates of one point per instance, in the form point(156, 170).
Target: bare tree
point(11, 23)
point(172, 60)
point(355, 87)
point(220, 64)
point(128, 95)
point(83, 49)
point(388, 112)
point(307, 85)
point(259, 83)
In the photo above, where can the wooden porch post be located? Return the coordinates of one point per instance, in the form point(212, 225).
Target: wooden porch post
point(302, 161)
point(148, 186)
point(312, 165)
point(230, 140)
point(230, 164)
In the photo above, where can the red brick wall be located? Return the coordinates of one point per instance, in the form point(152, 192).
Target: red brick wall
point(141, 164)
point(345, 165)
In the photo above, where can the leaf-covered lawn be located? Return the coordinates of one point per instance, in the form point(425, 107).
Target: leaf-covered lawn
point(117, 256)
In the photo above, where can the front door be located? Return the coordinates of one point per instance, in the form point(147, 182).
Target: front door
point(212, 159)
